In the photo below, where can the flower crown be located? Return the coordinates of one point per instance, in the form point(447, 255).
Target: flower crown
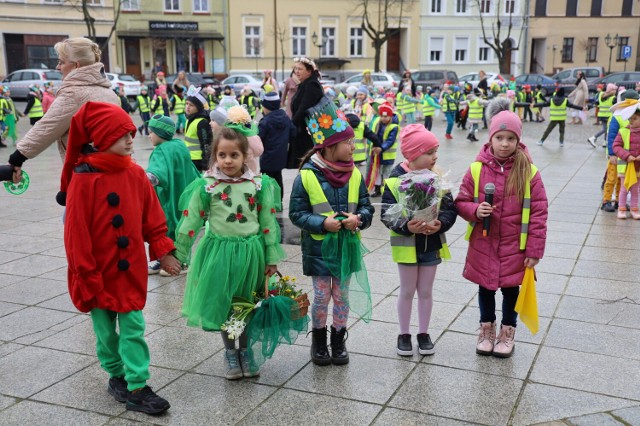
point(305, 60)
point(239, 120)
point(327, 125)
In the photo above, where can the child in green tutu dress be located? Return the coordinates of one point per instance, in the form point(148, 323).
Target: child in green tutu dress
point(240, 246)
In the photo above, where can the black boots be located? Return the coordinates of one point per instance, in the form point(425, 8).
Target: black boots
point(376, 191)
point(339, 354)
point(319, 350)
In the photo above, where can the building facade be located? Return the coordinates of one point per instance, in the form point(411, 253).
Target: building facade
point(572, 33)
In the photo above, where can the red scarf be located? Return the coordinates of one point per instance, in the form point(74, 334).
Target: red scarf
point(106, 162)
point(338, 173)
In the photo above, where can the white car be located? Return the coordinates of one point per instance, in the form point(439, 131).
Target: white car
point(239, 81)
point(19, 81)
point(129, 82)
point(382, 80)
point(474, 78)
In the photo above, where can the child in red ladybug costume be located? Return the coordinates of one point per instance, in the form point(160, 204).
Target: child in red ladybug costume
point(111, 211)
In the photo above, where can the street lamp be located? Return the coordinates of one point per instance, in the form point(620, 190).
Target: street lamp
point(314, 40)
point(611, 43)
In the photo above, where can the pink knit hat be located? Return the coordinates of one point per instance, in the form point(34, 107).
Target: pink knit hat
point(506, 120)
point(416, 140)
point(611, 87)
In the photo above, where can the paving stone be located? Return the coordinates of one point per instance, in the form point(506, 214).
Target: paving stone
point(392, 416)
point(589, 310)
point(556, 265)
point(609, 254)
point(442, 314)
point(603, 289)
point(59, 303)
point(565, 239)
point(600, 419)
point(592, 268)
point(29, 321)
point(34, 413)
point(550, 283)
point(32, 266)
point(5, 402)
point(7, 348)
point(59, 274)
point(10, 256)
point(356, 378)
point(32, 291)
point(606, 375)
point(6, 279)
point(162, 308)
point(629, 415)
point(7, 308)
point(429, 390)
point(30, 245)
point(182, 348)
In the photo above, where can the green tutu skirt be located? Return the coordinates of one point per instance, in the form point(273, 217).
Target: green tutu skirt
point(222, 267)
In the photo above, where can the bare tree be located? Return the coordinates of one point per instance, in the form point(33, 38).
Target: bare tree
point(375, 21)
point(84, 6)
point(281, 34)
point(500, 42)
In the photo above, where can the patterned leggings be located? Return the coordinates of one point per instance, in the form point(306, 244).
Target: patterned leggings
point(324, 289)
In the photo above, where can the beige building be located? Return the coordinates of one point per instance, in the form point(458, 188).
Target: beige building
point(261, 33)
point(171, 35)
point(30, 28)
point(573, 33)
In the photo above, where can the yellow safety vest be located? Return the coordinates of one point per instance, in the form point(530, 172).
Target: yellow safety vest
point(317, 198)
point(409, 106)
point(400, 104)
point(212, 102)
point(191, 139)
point(427, 110)
point(160, 108)
point(251, 109)
point(403, 248)
point(178, 105)
point(144, 103)
point(3, 105)
point(389, 154)
point(604, 106)
point(360, 153)
point(558, 112)
point(625, 134)
point(475, 110)
point(36, 109)
point(476, 168)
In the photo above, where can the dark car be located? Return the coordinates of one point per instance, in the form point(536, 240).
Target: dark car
point(625, 79)
point(548, 84)
point(196, 79)
point(434, 78)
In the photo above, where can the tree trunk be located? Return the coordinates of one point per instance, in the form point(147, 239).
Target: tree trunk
point(376, 59)
point(504, 64)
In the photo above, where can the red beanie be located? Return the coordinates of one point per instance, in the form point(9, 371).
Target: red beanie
point(385, 110)
point(416, 140)
point(97, 122)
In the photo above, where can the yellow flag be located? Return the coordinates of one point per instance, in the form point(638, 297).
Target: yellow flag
point(527, 304)
point(630, 177)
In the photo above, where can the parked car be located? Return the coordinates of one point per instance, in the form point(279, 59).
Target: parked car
point(382, 80)
point(129, 82)
point(626, 79)
point(548, 84)
point(570, 75)
point(474, 78)
point(239, 81)
point(195, 78)
point(19, 81)
point(434, 78)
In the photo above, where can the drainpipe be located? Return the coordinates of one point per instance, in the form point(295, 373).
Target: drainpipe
point(225, 17)
point(525, 23)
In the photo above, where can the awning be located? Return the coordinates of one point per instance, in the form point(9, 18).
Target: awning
point(202, 35)
point(332, 61)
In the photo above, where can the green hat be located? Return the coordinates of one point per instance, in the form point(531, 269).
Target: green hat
point(327, 125)
point(162, 126)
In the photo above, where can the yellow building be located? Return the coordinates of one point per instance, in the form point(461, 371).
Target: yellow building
point(572, 33)
point(30, 28)
point(261, 33)
point(171, 35)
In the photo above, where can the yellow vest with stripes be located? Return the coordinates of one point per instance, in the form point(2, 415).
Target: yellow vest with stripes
point(403, 248)
point(178, 105)
point(144, 103)
point(625, 134)
point(400, 103)
point(191, 139)
point(604, 106)
point(360, 153)
point(36, 109)
point(409, 106)
point(319, 203)
point(3, 105)
point(389, 154)
point(558, 112)
point(427, 109)
point(476, 168)
point(475, 110)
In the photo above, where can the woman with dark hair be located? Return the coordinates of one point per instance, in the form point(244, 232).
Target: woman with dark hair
point(309, 93)
point(407, 80)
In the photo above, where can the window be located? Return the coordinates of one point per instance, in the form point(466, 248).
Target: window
point(436, 48)
point(460, 50)
point(485, 6)
point(94, 2)
point(201, 6)
point(483, 54)
point(130, 5)
point(572, 8)
point(461, 6)
point(541, 8)
point(299, 41)
point(509, 7)
point(172, 5)
point(356, 42)
point(329, 48)
point(40, 57)
point(596, 7)
point(567, 50)
point(624, 41)
point(627, 7)
point(53, 1)
point(592, 49)
point(436, 6)
point(251, 40)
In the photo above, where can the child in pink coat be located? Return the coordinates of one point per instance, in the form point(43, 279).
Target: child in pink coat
point(628, 154)
point(498, 260)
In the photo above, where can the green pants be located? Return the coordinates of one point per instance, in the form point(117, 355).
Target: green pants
point(181, 122)
point(125, 354)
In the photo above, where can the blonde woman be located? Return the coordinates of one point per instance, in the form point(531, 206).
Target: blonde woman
point(181, 80)
point(83, 80)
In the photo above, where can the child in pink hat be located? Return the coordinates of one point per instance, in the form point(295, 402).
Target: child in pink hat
point(416, 265)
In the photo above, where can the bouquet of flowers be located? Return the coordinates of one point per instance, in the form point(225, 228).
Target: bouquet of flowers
point(419, 195)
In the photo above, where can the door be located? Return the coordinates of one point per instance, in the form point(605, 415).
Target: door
point(393, 51)
point(132, 58)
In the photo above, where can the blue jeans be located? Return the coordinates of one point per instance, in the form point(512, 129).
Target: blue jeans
point(487, 302)
point(451, 116)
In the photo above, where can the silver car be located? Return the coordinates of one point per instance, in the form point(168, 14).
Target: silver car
point(19, 81)
point(239, 81)
point(381, 80)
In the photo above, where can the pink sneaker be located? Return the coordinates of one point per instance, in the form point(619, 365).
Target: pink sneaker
point(504, 344)
point(622, 213)
point(485, 338)
point(635, 214)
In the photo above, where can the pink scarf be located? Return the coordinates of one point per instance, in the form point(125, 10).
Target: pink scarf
point(338, 173)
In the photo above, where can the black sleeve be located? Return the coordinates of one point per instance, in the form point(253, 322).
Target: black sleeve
point(311, 96)
point(570, 105)
point(448, 213)
point(30, 101)
point(368, 133)
point(17, 159)
point(205, 134)
point(388, 200)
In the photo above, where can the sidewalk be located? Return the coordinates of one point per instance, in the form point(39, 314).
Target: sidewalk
point(583, 367)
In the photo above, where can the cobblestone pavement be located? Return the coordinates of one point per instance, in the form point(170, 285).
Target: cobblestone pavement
point(583, 367)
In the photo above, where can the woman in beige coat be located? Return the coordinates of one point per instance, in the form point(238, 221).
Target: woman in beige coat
point(579, 96)
point(83, 80)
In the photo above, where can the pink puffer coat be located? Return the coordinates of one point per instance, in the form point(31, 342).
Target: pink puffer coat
point(496, 260)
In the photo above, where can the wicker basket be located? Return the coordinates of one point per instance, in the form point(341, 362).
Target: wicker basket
point(302, 300)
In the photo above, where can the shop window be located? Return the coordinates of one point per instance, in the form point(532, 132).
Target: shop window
point(41, 57)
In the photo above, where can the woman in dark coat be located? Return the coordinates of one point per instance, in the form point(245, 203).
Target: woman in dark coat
point(309, 93)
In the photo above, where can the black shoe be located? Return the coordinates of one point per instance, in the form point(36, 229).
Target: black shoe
point(425, 345)
point(2, 144)
point(319, 350)
point(118, 389)
point(615, 206)
point(473, 138)
point(376, 191)
point(339, 354)
point(404, 345)
point(470, 137)
point(146, 401)
point(608, 207)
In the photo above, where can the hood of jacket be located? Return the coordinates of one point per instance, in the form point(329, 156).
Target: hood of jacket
point(91, 75)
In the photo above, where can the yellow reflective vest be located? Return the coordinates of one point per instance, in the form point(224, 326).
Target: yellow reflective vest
point(475, 110)
point(625, 134)
point(178, 104)
point(558, 112)
point(360, 153)
point(191, 139)
point(391, 152)
point(36, 109)
point(604, 106)
point(144, 103)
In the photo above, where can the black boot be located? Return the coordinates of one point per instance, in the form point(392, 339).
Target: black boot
point(339, 354)
point(319, 350)
point(376, 191)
